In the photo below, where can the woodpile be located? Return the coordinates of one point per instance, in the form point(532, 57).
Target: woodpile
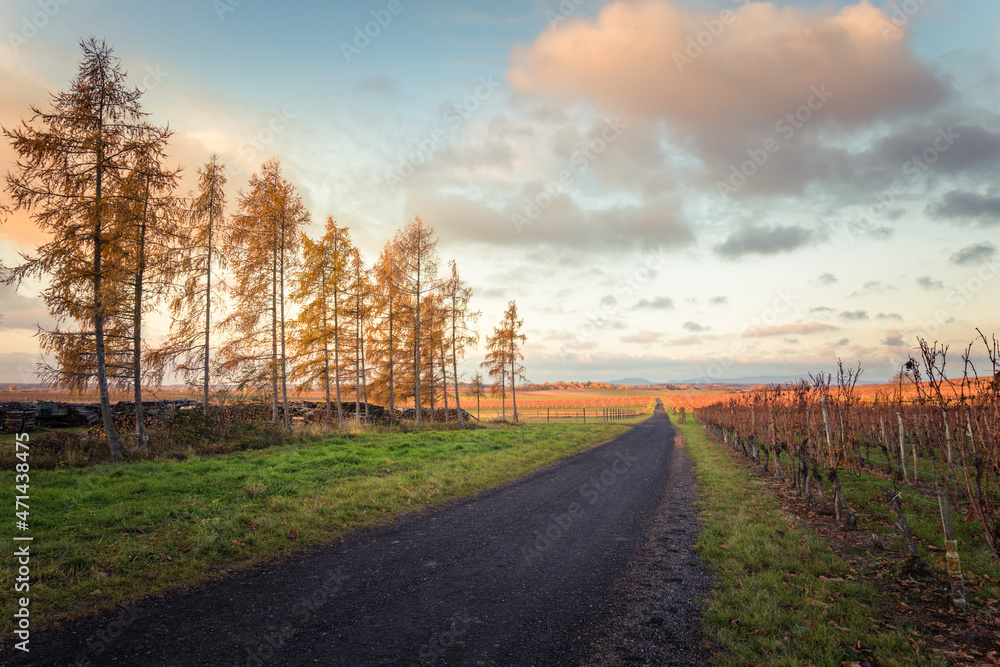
point(438, 415)
point(24, 417)
point(17, 417)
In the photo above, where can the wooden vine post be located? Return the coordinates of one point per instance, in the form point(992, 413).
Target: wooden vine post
point(951, 547)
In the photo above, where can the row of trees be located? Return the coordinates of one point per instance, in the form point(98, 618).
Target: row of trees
point(305, 313)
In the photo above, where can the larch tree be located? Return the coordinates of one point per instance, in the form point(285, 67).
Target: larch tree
point(504, 353)
point(320, 288)
point(432, 346)
point(418, 269)
point(459, 322)
point(477, 389)
point(357, 310)
point(188, 347)
point(148, 219)
point(262, 246)
point(72, 166)
point(386, 331)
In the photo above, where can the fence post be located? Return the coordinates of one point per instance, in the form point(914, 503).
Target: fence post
point(902, 448)
point(585, 415)
point(951, 546)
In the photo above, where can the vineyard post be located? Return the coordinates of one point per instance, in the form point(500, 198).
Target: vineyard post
point(951, 546)
point(947, 434)
point(884, 442)
point(778, 470)
point(902, 447)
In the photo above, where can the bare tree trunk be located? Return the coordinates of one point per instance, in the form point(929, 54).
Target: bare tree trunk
point(392, 379)
point(336, 352)
point(140, 425)
point(364, 373)
point(513, 373)
point(208, 299)
point(416, 348)
point(284, 370)
point(454, 362)
point(444, 381)
point(102, 366)
point(357, 361)
point(274, 336)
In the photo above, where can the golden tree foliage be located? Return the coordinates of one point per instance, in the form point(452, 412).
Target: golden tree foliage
point(417, 262)
point(74, 165)
point(189, 343)
point(261, 247)
point(503, 354)
point(321, 288)
point(388, 331)
point(459, 320)
point(147, 213)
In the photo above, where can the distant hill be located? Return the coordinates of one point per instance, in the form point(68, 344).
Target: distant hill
point(631, 381)
point(754, 379)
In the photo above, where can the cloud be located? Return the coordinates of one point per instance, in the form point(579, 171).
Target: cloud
point(559, 335)
point(874, 287)
point(756, 240)
point(382, 85)
point(893, 340)
point(929, 284)
point(657, 303)
point(984, 209)
point(21, 311)
point(718, 301)
point(974, 254)
point(645, 336)
point(798, 328)
point(961, 142)
point(854, 315)
point(843, 341)
point(889, 316)
point(695, 327)
point(827, 279)
point(630, 60)
point(563, 223)
point(693, 339)
point(821, 309)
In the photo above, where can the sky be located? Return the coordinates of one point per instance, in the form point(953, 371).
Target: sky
point(669, 190)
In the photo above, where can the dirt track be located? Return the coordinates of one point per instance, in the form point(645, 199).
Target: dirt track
point(586, 561)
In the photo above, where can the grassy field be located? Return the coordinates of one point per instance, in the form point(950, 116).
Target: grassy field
point(107, 534)
point(782, 596)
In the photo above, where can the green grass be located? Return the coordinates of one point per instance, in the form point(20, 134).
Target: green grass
point(782, 596)
point(107, 534)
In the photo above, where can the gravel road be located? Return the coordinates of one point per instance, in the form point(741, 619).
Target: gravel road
point(587, 561)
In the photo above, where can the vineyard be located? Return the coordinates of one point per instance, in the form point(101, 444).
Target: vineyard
point(934, 433)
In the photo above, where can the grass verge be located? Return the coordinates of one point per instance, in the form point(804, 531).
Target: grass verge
point(782, 596)
point(107, 534)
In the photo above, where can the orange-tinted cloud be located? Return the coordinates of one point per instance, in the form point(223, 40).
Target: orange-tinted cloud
point(637, 58)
